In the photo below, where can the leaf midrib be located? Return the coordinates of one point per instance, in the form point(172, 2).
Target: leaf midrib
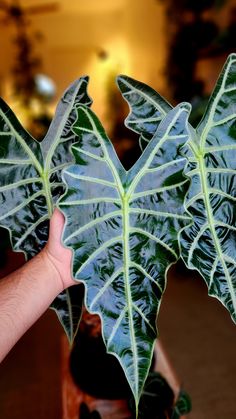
point(126, 252)
point(126, 233)
point(125, 198)
point(203, 180)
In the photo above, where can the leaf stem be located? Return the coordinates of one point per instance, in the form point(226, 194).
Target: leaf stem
point(126, 232)
point(48, 194)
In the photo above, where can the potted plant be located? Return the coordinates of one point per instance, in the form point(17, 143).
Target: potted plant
point(127, 227)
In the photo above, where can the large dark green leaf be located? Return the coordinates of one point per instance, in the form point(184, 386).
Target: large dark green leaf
point(30, 179)
point(122, 227)
point(209, 244)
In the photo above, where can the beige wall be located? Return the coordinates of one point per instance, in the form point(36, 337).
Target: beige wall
point(130, 31)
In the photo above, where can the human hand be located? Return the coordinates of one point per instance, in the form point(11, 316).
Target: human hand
point(56, 255)
point(26, 293)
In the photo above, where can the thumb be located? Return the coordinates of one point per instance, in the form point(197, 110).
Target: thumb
point(56, 226)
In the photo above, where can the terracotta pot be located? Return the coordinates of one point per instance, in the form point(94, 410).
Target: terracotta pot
point(93, 377)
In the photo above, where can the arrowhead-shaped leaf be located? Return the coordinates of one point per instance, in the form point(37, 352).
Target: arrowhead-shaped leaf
point(30, 176)
point(147, 108)
point(211, 155)
point(209, 244)
point(122, 227)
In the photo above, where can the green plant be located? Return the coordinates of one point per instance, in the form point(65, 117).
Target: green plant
point(127, 227)
point(116, 230)
point(158, 400)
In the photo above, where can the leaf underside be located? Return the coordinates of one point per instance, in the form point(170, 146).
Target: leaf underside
point(30, 182)
point(207, 245)
point(122, 226)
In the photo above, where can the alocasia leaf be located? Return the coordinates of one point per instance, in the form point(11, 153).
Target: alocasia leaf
point(122, 226)
point(30, 181)
point(147, 108)
point(209, 244)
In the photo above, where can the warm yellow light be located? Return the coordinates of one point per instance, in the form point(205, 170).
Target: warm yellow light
point(94, 6)
point(115, 60)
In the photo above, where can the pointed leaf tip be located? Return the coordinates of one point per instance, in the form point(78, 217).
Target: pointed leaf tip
point(186, 106)
point(147, 108)
point(232, 57)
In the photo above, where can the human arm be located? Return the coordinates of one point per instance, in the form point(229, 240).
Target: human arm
point(27, 293)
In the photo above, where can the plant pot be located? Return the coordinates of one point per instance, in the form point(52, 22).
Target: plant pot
point(94, 378)
point(96, 372)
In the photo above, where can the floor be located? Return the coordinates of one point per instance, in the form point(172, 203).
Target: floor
point(197, 333)
point(200, 338)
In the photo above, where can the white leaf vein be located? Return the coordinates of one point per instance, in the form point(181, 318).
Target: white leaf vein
point(213, 271)
point(157, 190)
point(32, 228)
point(221, 224)
point(136, 308)
point(116, 326)
point(194, 242)
point(159, 213)
point(144, 272)
point(195, 198)
point(103, 247)
point(154, 238)
point(92, 179)
point(22, 205)
point(222, 193)
point(144, 120)
point(105, 286)
point(15, 161)
point(65, 139)
point(92, 223)
point(87, 153)
point(165, 165)
point(91, 201)
point(59, 167)
point(211, 149)
point(224, 120)
point(19, 183)
point(219, 170)
point(230, 260)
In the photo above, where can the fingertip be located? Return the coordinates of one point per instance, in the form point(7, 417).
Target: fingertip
point(57, 220)
point(58, 213)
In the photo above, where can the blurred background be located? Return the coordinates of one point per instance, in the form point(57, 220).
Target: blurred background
point(178, 47)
